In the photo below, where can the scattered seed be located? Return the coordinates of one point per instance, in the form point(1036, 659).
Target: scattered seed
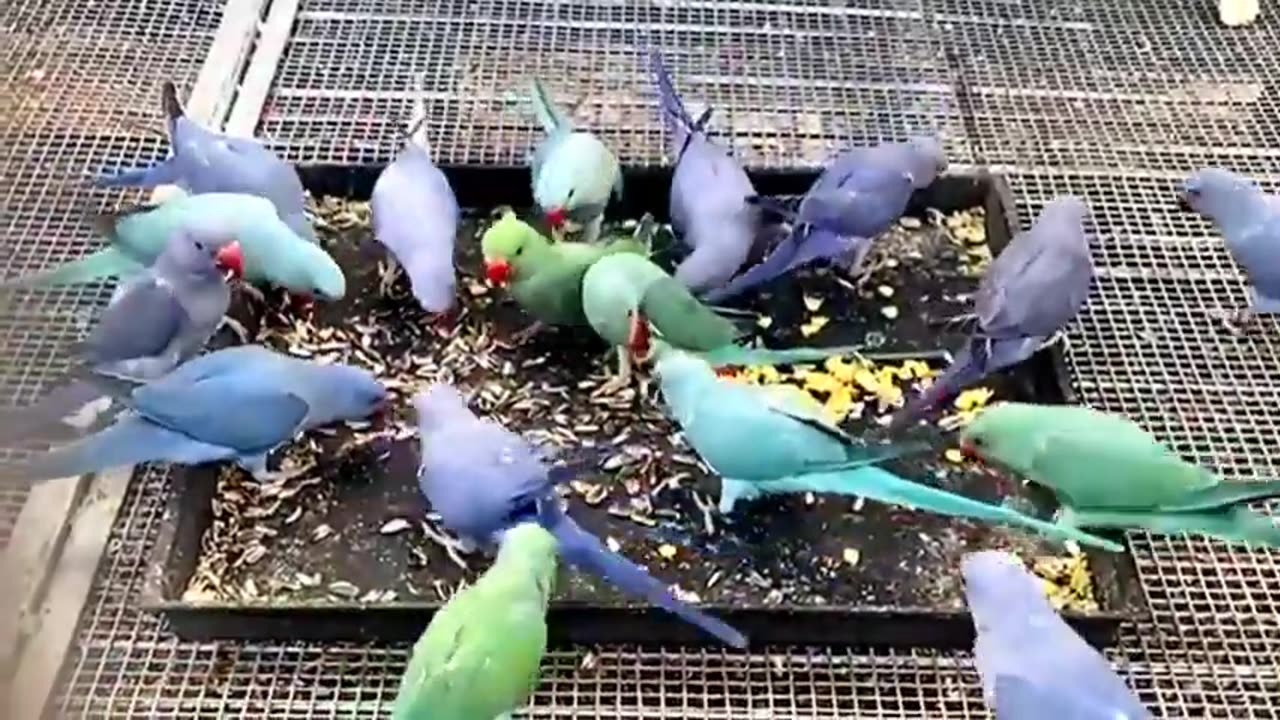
point(391, 527)
point(344, 589)
point(885, 290)
point(667, 551)
point(851, 556)
point(612, 544)
point(322, 532)
point(954, 456)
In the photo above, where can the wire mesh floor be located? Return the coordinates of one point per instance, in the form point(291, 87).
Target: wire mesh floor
point(1114, 101)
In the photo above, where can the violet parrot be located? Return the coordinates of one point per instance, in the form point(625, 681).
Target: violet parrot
point(483, 478)
point(1249, 220)
point(709, 191)
point(1027, 655)
point(155, 321)
point(1033, 288)
point(204, 161)
point(415, 215)
point(234, 404)
point(861, 194)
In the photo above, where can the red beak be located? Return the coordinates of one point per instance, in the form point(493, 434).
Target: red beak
point(498, 271)
point(638, 338)
point(969, 450)
point(556, 217)
point(231, 258)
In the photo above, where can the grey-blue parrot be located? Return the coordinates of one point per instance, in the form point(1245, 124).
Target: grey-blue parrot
point(1033, 665)
point(1030, 292)
point(204, 161)
point(155, 321)
point(234, 404)
point(709, 191)
point(860, 194)
point(1249, 220)
point(415, 215)
point(483, 478)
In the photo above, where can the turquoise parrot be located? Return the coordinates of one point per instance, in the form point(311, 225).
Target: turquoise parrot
point(574, 173)
point(623, 294)
point(774, 439)
point(1107, 472)
point(272, 253)
point(479, 658)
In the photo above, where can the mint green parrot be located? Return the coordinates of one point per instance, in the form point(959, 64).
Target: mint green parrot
point(273, 253)
point(1107, 472)
point(479, 658)
point(574, 173)
point(774, 439)
point(623, 294)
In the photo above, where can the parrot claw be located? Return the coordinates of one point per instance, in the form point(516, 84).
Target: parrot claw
point(388, 272)
point(451, 547)
point(731, 491)
point(253, 292)
point(236, 327)
point(523, 336)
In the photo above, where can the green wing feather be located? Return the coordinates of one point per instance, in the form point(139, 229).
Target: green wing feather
point(682, 320)
point(1094, 469)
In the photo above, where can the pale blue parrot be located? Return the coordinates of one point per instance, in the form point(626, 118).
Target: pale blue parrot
point(1033, 665)
point(234, 404)
point(272, 252)
point(204, 161)
point(573, 172)
point(157, 319)
point(1249, 220)
point(415, 215)
point(483, 478)
point(774, 439)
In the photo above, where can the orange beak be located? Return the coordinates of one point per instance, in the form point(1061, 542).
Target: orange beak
point(498, 271)
point(556, 217)
point(231, 258)
point(638, 337)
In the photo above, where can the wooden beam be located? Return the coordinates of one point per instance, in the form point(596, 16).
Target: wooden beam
point(215, 89)
point(252, 97)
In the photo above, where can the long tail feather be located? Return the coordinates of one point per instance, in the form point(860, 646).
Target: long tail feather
point(550, 117)
point(881, 485)
point(777, 263)
point(1239, 524)
point(1228, 493)
point(964, 370)
point(78, 403)
point(129, 442)
point(585, 552)
point(171, 107)
point(738, 355)
point(674, 114)
point(147, 176)
point(102, 264)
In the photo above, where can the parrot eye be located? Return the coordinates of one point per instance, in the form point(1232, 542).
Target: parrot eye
point(199, 246)
point(519, 250)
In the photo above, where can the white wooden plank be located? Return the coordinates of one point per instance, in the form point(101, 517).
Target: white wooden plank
point(262, 69)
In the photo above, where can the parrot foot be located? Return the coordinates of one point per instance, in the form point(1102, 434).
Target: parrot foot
point(523, 336)
point(591, 231)
point(619, 382)
point(1058, 338)
point(706, 506)
point(236, 327)
point(281, 476)
point(452, 547)
point(731, 491)
point(253, 292)
point(388, 273)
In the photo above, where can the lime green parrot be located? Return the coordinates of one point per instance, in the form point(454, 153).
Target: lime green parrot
point(623, 294)
point(1107, 472)
point(479, 657)
point(544, 277)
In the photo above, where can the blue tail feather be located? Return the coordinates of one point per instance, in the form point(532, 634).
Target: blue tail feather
point(146, 176)
point(585, 552)
point(53, 408)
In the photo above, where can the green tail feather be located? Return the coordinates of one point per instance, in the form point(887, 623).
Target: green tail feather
point(881, 485)
point(738, 355)
point(550, 117)
point(1239, 524)
point(682, 320)
point(102, 264)
point(1225, 494)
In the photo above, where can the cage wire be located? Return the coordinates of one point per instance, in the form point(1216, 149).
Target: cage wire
point(1112, 101)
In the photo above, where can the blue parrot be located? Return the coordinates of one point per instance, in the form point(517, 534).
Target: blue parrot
point(234, 404)
point(861, 194)
point(1029, 658)
point(204, 161)
point(774, 439)
point(483, 478)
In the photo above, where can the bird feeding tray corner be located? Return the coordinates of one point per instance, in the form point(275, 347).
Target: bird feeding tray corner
point(345, 550)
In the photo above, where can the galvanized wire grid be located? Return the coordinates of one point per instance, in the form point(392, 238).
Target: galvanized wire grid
point(1113, 101)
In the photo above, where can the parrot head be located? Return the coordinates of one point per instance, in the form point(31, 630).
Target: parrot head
point(353, 393)
point(1004, 434)
point(928, 161)
point(1216, 193)
point(437, 405)
point(506, 246)
point(639, 337)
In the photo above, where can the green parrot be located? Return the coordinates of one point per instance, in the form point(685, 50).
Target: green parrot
point(1107, 472)
point(273, 253)
point(623, 294)
point(479, 658)
point(545, 277)
point(765, 440)
point(573, 172)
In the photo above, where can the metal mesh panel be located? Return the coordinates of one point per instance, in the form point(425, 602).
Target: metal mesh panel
point(1089, 98)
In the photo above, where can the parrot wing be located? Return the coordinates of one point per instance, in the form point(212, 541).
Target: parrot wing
point(798, 405)
point(682, 320)
point(214, 411)
point(1096, 469)
point(140, 323)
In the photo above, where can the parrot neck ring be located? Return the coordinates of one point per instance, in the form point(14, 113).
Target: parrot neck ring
point(230, 258)
point(498, 271)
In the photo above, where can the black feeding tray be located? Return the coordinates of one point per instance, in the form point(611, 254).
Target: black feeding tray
point(779, 569)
